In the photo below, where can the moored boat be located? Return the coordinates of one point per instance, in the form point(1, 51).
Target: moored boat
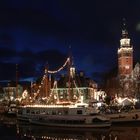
point(11, 110)
point(125, 117)
point(69, 116)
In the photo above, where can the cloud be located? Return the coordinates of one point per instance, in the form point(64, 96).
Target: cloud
point(29, 63)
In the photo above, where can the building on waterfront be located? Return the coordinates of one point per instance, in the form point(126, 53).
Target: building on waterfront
point(125, 65)
point(14, 92)
point(11, 91)
point(68, 87)
point(1, 93)
point(129, 76)
point(126, 81)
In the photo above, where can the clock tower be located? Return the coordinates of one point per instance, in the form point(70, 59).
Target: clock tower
point(125, 55)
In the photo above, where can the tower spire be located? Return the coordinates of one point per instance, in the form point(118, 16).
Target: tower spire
point(124, 29)
point(124, 22)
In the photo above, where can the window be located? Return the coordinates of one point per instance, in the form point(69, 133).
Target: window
point(79, 111)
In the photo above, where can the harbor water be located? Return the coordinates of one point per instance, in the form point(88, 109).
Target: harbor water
point(11, 129)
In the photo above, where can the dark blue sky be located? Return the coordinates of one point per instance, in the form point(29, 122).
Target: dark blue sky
point(36, 32)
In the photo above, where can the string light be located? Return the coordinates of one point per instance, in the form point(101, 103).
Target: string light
point(55, 82)
point(52, 72)
point(61, 68)
point(125, 49)
point(77, 88)
point(55, 85)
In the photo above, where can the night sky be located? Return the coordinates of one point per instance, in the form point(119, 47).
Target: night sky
point(36, 33)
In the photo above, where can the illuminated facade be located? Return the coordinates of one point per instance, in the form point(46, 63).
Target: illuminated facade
point(68, 87)
point(128, 76)
point(125, 55)
point(10, 91)
point(126, 81)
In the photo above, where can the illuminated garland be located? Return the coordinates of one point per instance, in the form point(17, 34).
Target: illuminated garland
point(61, 68)
point(77, 87)
point(51, 94)
point(52, 72)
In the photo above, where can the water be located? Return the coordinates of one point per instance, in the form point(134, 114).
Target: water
point(10, 129)
point(113, 133)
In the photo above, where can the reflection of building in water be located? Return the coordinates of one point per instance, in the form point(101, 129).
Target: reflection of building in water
point(125, 133)
point(44, 133)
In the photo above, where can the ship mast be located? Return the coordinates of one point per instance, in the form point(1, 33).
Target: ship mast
point(70, 75)
point(46, 83)
point(16, 80)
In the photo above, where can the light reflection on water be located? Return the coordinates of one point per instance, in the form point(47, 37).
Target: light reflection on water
point(43, 133)
point(13, 130)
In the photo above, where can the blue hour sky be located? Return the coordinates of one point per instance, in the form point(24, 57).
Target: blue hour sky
point(34, 33)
